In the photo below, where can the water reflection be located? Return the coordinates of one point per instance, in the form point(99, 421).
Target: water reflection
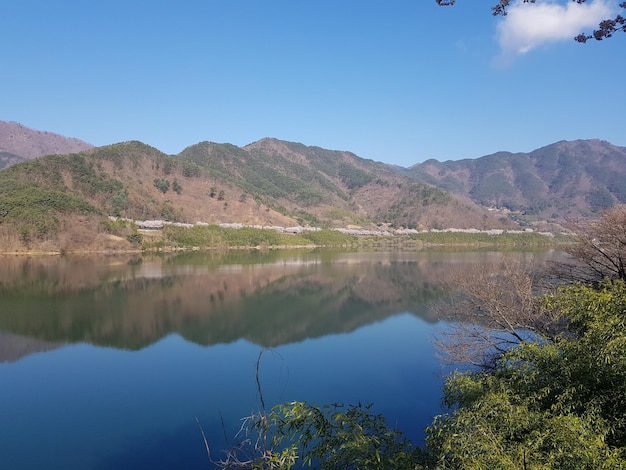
point(151, 343)
point(266, 298)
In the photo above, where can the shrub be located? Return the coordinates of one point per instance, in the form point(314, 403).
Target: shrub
point(162, 185)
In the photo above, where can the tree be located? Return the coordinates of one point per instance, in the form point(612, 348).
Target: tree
point(600, 251)
point(606, 28)
point(162, 184)
point(555, 404)
point(177, 187)
point(491, 309)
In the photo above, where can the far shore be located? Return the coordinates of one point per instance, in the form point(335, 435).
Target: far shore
point(385, 238)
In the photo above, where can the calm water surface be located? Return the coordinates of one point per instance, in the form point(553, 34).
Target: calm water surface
point(107, 362)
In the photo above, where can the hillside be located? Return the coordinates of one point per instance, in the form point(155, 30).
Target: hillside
point(19, 143)
point(63, 202)
point(562, 181)
point(58, 201)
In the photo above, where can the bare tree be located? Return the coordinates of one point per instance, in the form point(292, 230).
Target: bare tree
point(600, 251)
point(491, 309)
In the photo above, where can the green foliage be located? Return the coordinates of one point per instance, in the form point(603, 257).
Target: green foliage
point(497, 431)
point(270, 176)
point(329, 238)
point(167, 211)
point(310, 196)
point(119, 203)
point(122, 228)
point(86, 176)
point(483, 239)
point(34, 209)
point(546, 405)
point(215, 236)
point(305, 218)
point(177, 187)
point(353, 177)
point(337, 436)
point(168, 165)
point(162, 185)
point(191, 169)
point(124, 152)
point(88, 180)
point(135, 238)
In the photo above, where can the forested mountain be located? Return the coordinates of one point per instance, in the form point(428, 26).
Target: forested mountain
point(269, 182)
point(59, 198)
point(560, 181)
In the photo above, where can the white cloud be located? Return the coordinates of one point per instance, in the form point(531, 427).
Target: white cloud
point(528, 25)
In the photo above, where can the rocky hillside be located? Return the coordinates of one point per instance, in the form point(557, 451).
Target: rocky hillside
point(565, 180)
point(19, 143)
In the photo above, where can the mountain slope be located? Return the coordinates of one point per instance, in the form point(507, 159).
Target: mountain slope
point(332, 187)
point(8, 159)
point(18, 143)
point(57, 201)
point(60, 201)
point(560, 181)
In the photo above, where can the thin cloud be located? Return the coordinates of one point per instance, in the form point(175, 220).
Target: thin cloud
point(528, 26)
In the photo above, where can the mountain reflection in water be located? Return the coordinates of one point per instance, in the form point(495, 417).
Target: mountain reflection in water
point(266, 298)
point(106, 362)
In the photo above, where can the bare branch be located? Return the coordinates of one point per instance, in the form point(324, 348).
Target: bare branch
point(492, 308)
point(600, 251)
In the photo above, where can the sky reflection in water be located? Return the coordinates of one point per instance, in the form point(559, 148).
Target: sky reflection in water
point(351, 331)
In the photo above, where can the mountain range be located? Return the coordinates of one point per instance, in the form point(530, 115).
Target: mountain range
point(49, 180)
point(560, 181)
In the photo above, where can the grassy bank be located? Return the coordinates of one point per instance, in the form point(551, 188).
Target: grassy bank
point(213, 236)
point(526, 239)
point(90, 233)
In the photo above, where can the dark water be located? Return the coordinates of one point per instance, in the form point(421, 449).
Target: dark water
point(107, 362)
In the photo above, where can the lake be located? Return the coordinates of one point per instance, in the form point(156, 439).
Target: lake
point(106, 362)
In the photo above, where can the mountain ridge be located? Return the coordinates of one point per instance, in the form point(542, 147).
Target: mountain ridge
point(566, 179)
point(57, 198)
point(19, 143)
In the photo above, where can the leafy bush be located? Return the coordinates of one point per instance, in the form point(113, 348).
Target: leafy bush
point(135, 238)
point(546, 404)
point(337, 436)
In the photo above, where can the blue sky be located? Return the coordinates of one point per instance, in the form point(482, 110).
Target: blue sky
point(394, 81)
